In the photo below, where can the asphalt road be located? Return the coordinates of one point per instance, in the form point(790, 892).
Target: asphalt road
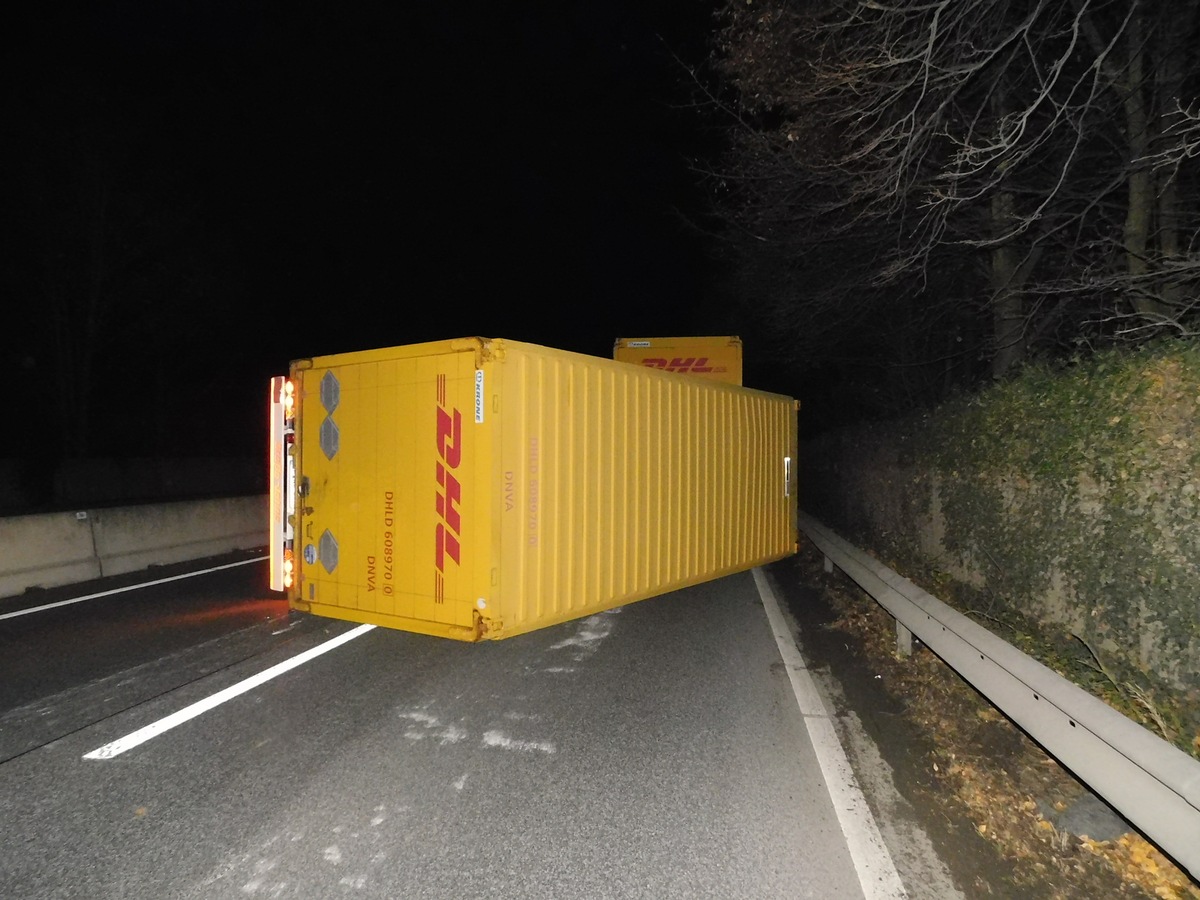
point(653, 751)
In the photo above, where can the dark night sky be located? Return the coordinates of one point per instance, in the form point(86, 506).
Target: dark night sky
point(325, 177)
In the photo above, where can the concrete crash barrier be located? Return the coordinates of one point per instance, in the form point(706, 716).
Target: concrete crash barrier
point(46, 550)
point(64, 548)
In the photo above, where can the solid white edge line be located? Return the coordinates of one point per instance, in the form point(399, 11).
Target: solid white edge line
point(128, 587)
point(119, 746)
point(872, 861)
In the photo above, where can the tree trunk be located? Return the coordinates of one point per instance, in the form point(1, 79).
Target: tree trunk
point(1174, 26)
point(1008, 309)
point(1141, 202)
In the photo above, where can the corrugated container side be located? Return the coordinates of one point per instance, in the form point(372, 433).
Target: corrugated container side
point(632, 483)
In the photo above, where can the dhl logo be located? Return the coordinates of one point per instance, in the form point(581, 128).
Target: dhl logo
point(448, 496)
point(690, 364)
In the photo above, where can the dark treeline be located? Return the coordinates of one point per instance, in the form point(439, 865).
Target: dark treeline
point(921, 197)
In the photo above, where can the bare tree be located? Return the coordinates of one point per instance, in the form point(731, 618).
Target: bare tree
point(1050, 143)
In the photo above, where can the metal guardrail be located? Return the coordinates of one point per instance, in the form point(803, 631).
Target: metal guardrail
point(1153, 784)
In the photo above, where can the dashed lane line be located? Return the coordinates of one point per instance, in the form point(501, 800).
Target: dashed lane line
point(154, 729)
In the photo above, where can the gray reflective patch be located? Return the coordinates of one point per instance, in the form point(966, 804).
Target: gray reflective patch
point(330, 437)
point(328, 551)
point(331, 392)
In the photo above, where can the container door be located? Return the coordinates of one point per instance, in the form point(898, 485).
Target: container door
point(389, 492)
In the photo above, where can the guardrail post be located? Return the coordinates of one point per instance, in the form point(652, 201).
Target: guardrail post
point(903, 640)
point(828, 565)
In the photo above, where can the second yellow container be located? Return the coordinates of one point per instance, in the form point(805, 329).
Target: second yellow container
point(711, 358)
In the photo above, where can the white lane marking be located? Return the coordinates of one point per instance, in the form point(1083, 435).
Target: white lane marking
point(129, 587)
point(876, 871)
point(119, 746)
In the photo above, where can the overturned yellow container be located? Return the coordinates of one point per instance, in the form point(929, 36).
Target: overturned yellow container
point(478, 489)
point(712, 358)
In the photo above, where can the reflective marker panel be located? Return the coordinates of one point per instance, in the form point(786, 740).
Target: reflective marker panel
point(478, 489)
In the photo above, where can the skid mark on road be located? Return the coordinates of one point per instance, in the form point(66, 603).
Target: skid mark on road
point(430, 726)
point(425, 724)
point(504, 742)
point(257, 867)
point(31, 726)
point(262, 871)
point(589, 634)
point(281, 865)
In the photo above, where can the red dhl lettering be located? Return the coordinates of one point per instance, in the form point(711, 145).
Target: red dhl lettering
point(689, 364)
point(448, 495)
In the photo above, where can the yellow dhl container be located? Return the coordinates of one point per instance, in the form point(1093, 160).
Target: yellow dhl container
point(478, 489)
point(714, 358)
